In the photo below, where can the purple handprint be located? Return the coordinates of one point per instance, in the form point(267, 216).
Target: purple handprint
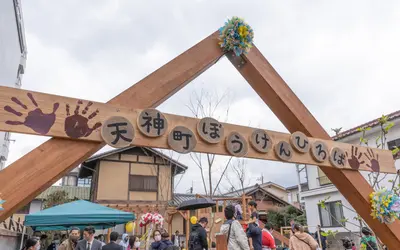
point(38, 121)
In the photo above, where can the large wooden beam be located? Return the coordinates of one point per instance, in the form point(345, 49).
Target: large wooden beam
point(8, 118)
point(26, 178)
point(296, 117)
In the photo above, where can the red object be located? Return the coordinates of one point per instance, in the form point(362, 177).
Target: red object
point(267, 239)
point(244, 227)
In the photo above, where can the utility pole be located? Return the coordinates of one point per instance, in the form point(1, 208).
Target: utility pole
point(261, 179)
point(190, 191)
point(298, 171)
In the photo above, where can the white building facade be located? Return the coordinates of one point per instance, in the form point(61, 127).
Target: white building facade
point(321, 188)
point(12, 57)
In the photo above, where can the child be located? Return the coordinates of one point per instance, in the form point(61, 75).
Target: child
point(238, 211)
point(253, 213)
point(353, 246)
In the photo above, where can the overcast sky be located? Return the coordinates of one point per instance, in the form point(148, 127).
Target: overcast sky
point(339, 57)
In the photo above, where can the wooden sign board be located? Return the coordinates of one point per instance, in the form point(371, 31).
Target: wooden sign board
point(29, 112)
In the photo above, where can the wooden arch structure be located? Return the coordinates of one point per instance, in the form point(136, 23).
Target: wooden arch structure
point(39, 169)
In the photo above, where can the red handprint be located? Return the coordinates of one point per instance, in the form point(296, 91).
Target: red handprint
point(36, 120)
point(76, 125)
point(354, 161)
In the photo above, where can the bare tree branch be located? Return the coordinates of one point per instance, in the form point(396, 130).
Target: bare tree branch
point(223, 174)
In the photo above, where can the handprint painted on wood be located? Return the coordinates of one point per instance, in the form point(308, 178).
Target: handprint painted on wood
point(36, 120)
point(373, 160)
point(76, 125)
point(355, 158)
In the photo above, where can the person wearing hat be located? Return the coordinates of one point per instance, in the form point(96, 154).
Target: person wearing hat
point(198, 235)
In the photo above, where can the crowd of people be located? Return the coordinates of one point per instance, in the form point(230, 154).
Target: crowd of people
point(161, 241)
point(239, 237)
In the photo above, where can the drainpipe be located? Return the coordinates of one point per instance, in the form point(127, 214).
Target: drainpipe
point(299, 183)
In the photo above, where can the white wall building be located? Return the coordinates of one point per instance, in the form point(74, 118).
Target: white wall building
point(320, 186)
point(12, 56)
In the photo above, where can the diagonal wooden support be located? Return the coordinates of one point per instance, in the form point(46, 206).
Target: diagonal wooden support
point(296, 117)
point(26, 178)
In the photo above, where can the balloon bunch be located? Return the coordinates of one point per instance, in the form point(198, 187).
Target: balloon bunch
point(236, 36)
point(155, 218)
point(385, 206)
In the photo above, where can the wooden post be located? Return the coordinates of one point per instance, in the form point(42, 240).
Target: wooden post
point(137, 224)
point(170, 225)
point(222, 243)
point(223, 210)
point(108, 235)
point(187, 229)
point(244, 206)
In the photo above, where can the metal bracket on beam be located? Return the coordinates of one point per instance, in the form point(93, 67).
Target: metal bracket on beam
point(237, 61)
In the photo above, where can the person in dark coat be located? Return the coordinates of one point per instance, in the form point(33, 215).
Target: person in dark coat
point(198, 236)
point(321, 239)
point(254, 234)
point(161, 242)
point(113, 243)
point(89, 242)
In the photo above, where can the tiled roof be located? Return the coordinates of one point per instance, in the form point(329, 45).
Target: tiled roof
point(179, 198)
point(82, 193)
point(250, 188)
point(84, 170)
point(372, 123)
point(303, 185)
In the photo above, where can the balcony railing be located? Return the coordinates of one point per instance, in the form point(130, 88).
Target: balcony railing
point(323, 180)
point(3, 152)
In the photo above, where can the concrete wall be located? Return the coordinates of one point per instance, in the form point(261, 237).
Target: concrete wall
point(313, 216)
point(10, 51)
point(281, 193)
point(10, 60)
point(9, 240)
point(36, 206)
point(113, 181)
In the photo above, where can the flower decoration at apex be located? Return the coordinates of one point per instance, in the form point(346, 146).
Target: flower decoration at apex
point(236, 36)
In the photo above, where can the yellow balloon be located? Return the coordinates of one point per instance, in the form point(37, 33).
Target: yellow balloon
point(130, 226)
point(193, 219)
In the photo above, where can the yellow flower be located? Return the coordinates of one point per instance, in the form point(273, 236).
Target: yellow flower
point(243, 32)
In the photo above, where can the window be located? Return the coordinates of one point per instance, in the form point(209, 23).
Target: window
point(69, 181)
point(331, 215)
point(143, 183)
point(86, 182)
point(394, 143)
point(24, 210)
point(7, 136)
point(322, 179)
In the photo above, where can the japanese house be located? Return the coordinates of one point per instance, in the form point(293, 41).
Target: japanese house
point(137, 179)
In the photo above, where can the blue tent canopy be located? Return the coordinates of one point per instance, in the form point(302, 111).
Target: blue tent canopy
point(77, 214)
